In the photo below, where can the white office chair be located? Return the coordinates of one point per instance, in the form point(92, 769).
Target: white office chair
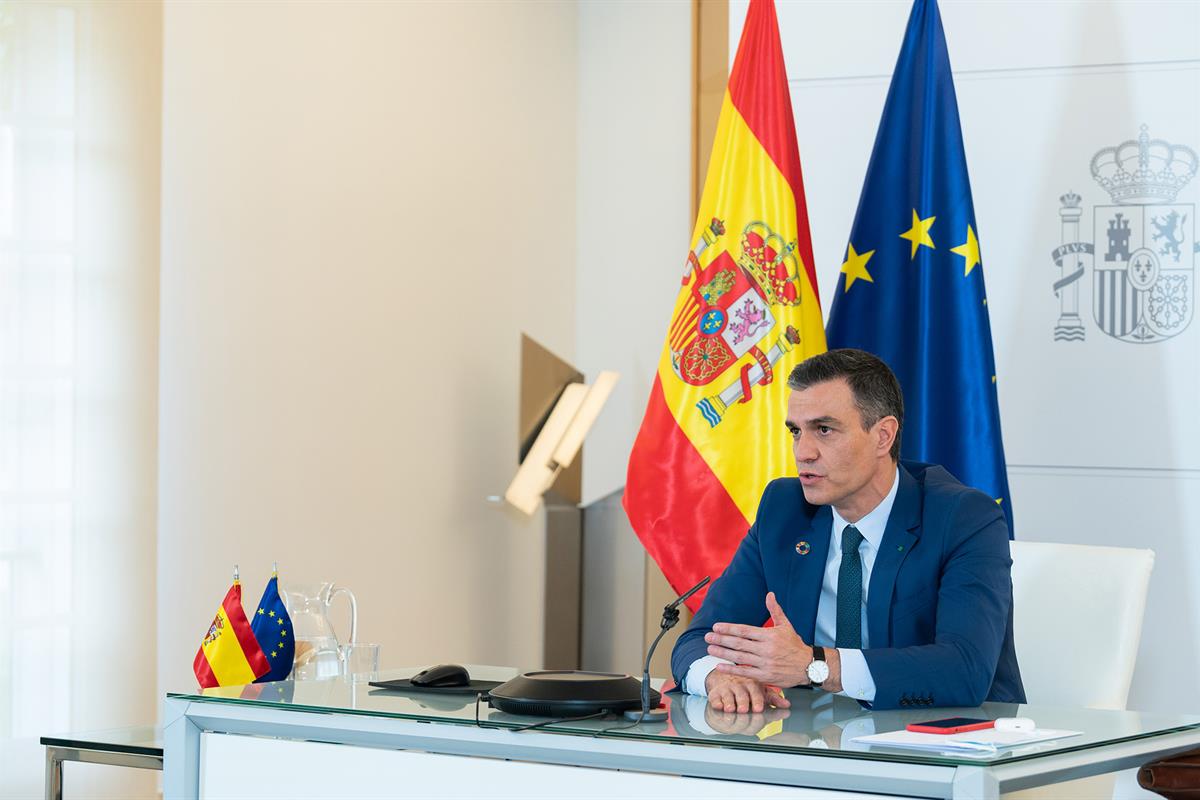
point(1077, 621)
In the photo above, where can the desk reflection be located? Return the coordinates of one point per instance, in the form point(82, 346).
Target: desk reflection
point(816, 719)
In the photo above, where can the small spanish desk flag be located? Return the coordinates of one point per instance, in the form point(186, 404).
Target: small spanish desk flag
point(272, 628)
point(746, 313)
point(911, 289)
point(229, 654)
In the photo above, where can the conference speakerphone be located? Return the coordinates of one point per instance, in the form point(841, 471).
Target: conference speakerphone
point(578, 694)
point(566, 693)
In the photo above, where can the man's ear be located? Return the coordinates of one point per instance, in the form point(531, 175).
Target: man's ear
point(886, 430)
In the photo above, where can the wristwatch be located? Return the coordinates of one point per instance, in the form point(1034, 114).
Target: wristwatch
point(818, 668)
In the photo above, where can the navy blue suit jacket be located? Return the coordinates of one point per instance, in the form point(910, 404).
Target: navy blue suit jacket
point(939, 605)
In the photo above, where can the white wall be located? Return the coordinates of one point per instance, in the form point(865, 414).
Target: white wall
point(634, 207)
point(1101, 436)
point(634, 218)
point(363, 205)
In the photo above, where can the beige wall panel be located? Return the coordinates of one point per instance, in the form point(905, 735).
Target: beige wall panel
point(364, 204)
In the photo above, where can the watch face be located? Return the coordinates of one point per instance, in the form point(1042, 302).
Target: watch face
point(818, 671)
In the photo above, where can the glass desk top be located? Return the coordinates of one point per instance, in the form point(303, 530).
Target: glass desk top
point(143, 740)
point(817, 723)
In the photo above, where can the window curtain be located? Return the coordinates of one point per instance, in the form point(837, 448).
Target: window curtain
point(80, 110)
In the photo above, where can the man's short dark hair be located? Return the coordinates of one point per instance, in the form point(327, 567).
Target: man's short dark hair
point(874, 386)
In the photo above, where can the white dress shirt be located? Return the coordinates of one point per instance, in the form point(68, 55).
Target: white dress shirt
point(856, 677)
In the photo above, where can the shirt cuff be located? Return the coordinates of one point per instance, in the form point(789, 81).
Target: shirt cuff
point(694, 708)
point(862, 726)
point(697, 674)
point(856, 676)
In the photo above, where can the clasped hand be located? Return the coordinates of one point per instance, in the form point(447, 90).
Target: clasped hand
point(769, 657)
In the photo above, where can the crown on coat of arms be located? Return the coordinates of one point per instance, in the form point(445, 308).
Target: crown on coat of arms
point(1145, 170)
point(772, 263)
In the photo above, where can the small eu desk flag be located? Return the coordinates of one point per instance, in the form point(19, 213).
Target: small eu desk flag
point(911, 286)
point(272, 628)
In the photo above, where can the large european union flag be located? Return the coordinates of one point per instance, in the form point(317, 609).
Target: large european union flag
point(911, 289)
point(273, 628)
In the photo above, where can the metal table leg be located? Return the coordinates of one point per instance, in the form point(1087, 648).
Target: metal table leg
point(55, 756)
point(54, 771)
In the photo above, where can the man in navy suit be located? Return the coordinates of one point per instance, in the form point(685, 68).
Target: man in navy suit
point(885, 581)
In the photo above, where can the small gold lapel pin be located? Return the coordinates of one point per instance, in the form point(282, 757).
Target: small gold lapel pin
point(802, 548)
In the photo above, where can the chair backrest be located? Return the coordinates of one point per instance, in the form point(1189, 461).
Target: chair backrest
point(1077, 620)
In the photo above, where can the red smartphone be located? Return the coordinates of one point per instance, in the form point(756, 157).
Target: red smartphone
point(951, 725)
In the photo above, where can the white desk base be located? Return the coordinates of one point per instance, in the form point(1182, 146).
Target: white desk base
point(195, 764)
point(232, 768)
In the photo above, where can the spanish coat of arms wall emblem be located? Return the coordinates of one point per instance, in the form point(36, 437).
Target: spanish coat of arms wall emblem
point(1143, 250)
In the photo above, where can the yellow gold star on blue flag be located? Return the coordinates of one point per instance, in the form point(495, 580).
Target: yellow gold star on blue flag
point(969, 250)
point(855, 267)
point(922, 307)
point(918, 234)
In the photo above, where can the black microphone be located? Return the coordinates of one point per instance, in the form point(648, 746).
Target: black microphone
point(679, 600)
point(670, 618)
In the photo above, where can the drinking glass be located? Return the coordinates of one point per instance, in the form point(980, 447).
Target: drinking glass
point(360, 661)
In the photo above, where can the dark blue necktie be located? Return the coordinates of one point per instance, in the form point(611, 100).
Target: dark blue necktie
point(849, 591)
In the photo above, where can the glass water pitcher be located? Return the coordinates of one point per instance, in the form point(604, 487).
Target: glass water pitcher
point(317, 645)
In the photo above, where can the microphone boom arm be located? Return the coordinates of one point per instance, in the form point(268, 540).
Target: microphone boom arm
point(670, 618)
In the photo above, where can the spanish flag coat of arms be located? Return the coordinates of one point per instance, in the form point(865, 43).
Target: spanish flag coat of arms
point(229, 654)
point(747, 312)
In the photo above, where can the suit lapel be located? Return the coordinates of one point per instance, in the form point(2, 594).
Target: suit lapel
point(899, 536)
point(807, 572)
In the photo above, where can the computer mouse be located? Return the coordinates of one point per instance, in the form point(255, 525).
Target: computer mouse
point(442, 675)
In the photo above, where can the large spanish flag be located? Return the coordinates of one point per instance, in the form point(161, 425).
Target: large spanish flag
point(229, 654)
point(713, 435)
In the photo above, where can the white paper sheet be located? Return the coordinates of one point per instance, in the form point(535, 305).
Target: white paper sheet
point(986, 740)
